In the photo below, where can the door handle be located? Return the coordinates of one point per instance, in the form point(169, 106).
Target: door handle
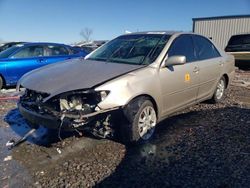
point(221, 63)
point(196, 69)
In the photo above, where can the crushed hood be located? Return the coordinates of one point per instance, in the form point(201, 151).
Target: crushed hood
point(72, 75)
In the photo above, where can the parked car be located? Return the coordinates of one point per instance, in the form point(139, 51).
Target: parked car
point(128, 85)
point(22, 58)
point(89, 49)
point(86, 48)
point(91, 46)
point(239, 46)
point(7, 45)
point(78, 49)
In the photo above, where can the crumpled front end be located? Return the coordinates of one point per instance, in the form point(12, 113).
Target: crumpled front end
point(70, 110)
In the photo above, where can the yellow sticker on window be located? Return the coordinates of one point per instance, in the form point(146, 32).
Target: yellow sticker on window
point(187, 77)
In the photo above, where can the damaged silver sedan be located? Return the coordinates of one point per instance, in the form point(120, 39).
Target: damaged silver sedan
point(128, 85)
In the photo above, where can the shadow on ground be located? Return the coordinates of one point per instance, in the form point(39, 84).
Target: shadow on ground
point(42, 136)
point(243, 65)
point(197, 149)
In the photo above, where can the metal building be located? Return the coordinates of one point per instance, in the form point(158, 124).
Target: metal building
point(221, 28)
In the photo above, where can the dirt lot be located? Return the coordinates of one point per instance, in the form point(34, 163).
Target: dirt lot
point(203, 146)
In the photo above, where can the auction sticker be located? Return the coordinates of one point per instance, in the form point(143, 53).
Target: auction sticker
point(187, 77)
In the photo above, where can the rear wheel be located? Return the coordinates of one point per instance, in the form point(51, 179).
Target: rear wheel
point(219, 92)
point(142, 119)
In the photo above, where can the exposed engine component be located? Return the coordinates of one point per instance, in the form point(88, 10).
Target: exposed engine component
point(77, 108)
point(103, 128)
point(74, 103)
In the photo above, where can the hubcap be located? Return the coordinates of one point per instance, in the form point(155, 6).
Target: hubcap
point(147, 122)
point(220, 89)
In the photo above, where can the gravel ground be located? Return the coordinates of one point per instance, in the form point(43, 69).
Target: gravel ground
point(204, 146)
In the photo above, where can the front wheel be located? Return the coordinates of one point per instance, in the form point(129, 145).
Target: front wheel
point(142, 119)
point(219, 92)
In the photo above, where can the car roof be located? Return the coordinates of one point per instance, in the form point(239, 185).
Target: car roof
point(156, 32)
point(42, 43)
point(7, 43)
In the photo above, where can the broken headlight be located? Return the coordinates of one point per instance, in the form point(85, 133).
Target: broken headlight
point(74, 103)
point(81, 100)
point(103, 95)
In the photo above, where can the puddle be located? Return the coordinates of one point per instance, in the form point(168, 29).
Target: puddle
point(12, 173)
point(38, 155)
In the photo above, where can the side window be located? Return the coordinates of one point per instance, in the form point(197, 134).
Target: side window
point(183, 45)
point(55, 50)
point(204, 48)
point(31, 51)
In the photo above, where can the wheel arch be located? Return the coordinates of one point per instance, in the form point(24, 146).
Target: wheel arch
point(226, 78)
point(151, 99)
point(4, 81)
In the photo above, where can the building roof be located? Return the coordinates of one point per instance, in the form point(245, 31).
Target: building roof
point(222, 17)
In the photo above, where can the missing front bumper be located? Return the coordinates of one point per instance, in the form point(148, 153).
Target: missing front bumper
point(44, 120)
point(55, 121)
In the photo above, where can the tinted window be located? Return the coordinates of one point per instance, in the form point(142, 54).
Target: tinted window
point(239, 40)
point(204, 49)
point(31, 51)
point(88, 49)
point(55, 50)
point(76, 50)
point(183, 45)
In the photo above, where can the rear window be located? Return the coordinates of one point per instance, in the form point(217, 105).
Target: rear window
point(239, 39)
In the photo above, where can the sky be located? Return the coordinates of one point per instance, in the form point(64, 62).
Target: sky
point(62, 20)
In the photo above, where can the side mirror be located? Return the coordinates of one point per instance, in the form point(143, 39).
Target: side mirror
point(175, 60)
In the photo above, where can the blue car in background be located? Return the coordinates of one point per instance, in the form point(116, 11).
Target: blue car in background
point(22, 58)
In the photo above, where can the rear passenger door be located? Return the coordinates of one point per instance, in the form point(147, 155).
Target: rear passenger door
point(210, 65)
point(180, 83)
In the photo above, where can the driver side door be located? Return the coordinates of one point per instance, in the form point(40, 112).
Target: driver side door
point(23, 61)
point(179, 83)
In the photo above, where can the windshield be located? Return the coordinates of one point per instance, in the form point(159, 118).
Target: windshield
point(239, 40)
point(8, 52)
point(132, 49)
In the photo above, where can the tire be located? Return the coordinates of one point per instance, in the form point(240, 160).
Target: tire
point(141, 121)
point(219, 92)
point(1, 83)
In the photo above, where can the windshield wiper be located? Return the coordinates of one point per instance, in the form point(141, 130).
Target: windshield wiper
point(98, 59)
point(111, 55)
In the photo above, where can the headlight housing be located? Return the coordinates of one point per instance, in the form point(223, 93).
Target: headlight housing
point(82, 99)
point(103, 94)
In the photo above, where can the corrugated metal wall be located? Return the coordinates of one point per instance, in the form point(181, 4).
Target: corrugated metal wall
point(221, 29)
